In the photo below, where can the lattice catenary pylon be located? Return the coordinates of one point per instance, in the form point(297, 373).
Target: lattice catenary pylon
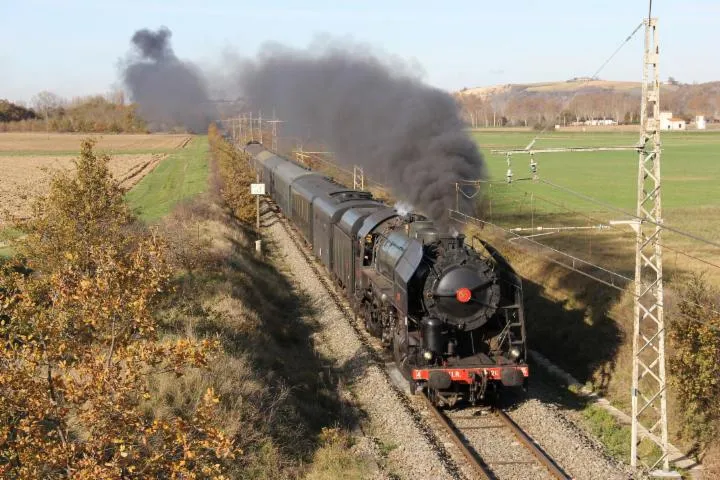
point(649, 392)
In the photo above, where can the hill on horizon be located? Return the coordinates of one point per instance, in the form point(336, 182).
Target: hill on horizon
point(571, 86)
point(582, 98)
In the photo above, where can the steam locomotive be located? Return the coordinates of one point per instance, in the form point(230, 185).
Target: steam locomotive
point(452, 315)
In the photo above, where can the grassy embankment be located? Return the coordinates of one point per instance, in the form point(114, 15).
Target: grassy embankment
point(580, 324)
point(282, 413)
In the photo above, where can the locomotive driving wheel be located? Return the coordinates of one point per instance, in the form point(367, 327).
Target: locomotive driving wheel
point(401, 348)
point(373, 321)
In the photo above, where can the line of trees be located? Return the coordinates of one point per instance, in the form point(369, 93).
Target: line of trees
point(516, 106)
point(50, 112)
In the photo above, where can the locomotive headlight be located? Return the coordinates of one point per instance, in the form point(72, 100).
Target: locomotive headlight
point(514, 352)
point(427, 355)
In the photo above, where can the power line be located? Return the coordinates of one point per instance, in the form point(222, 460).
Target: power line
point(573, 262)
point(615, 279)
point(624, 212)
point(612, 227)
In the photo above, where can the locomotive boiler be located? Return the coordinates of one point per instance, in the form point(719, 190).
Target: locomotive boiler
point(451, 313)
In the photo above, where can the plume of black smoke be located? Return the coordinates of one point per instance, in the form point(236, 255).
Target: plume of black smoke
point(170, 93)
point(403, 132)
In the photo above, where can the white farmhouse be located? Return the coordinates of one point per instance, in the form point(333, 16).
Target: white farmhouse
point(668, 122)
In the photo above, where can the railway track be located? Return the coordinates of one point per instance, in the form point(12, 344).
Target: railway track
point(495, 445)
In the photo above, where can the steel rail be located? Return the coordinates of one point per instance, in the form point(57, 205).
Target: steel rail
point(482, 467)
point(473, 458)
point(528, 443)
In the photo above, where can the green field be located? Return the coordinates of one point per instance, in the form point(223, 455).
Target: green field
point(690, 193)
point(180, 176)
point(690, 167)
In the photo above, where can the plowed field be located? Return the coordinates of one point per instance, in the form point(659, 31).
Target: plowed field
point(69, 143)
point(25, 177)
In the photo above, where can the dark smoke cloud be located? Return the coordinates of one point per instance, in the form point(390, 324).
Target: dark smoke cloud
point(372, 113)
point(171, 93)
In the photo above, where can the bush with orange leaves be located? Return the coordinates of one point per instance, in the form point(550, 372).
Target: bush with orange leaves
point(78, 345)
point(235, 176)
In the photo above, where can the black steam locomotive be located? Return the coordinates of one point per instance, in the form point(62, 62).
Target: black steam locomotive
point(452, 315)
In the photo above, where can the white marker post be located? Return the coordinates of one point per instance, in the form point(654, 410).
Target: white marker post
point(258, 189)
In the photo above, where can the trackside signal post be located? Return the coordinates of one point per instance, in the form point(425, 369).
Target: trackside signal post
point(257, 189)
point(649, 386)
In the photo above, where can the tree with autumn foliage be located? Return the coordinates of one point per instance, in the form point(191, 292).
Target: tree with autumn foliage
point(79, 346)
point(695, 361)
point(236, 177)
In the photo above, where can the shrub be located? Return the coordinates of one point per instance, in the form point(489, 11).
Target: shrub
point(695, 363)
point(235, 176)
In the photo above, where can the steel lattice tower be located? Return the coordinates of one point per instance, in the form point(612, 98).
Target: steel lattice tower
point(649, 388)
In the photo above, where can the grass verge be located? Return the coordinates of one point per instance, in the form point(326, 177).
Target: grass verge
point(182, 175)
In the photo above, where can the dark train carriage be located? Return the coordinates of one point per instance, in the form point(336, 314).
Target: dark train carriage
point(283, 177)
point(453, 316)
point(327, 201)
point(327, 211)
point(346, 247)
point(266, 163)
point(304, 192)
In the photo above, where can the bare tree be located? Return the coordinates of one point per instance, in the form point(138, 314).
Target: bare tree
point(47, 103)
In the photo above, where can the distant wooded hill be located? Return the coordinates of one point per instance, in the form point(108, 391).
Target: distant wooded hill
point(582, 99)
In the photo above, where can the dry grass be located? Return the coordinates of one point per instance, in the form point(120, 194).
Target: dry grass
point(25, 178)
point(335, 459)
point(19, 143)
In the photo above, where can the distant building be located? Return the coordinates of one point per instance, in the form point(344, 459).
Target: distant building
point(668, 122)
point(700, 122)
point(600, 122)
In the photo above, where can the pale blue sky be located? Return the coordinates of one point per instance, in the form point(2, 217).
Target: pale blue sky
point(72, 47)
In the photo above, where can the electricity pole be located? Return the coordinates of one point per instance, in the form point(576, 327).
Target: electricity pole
point(649, 386)
point(260, 132)
point(274, 140)
point(358, 178)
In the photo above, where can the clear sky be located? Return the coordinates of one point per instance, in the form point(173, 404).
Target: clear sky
point(72, 47)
